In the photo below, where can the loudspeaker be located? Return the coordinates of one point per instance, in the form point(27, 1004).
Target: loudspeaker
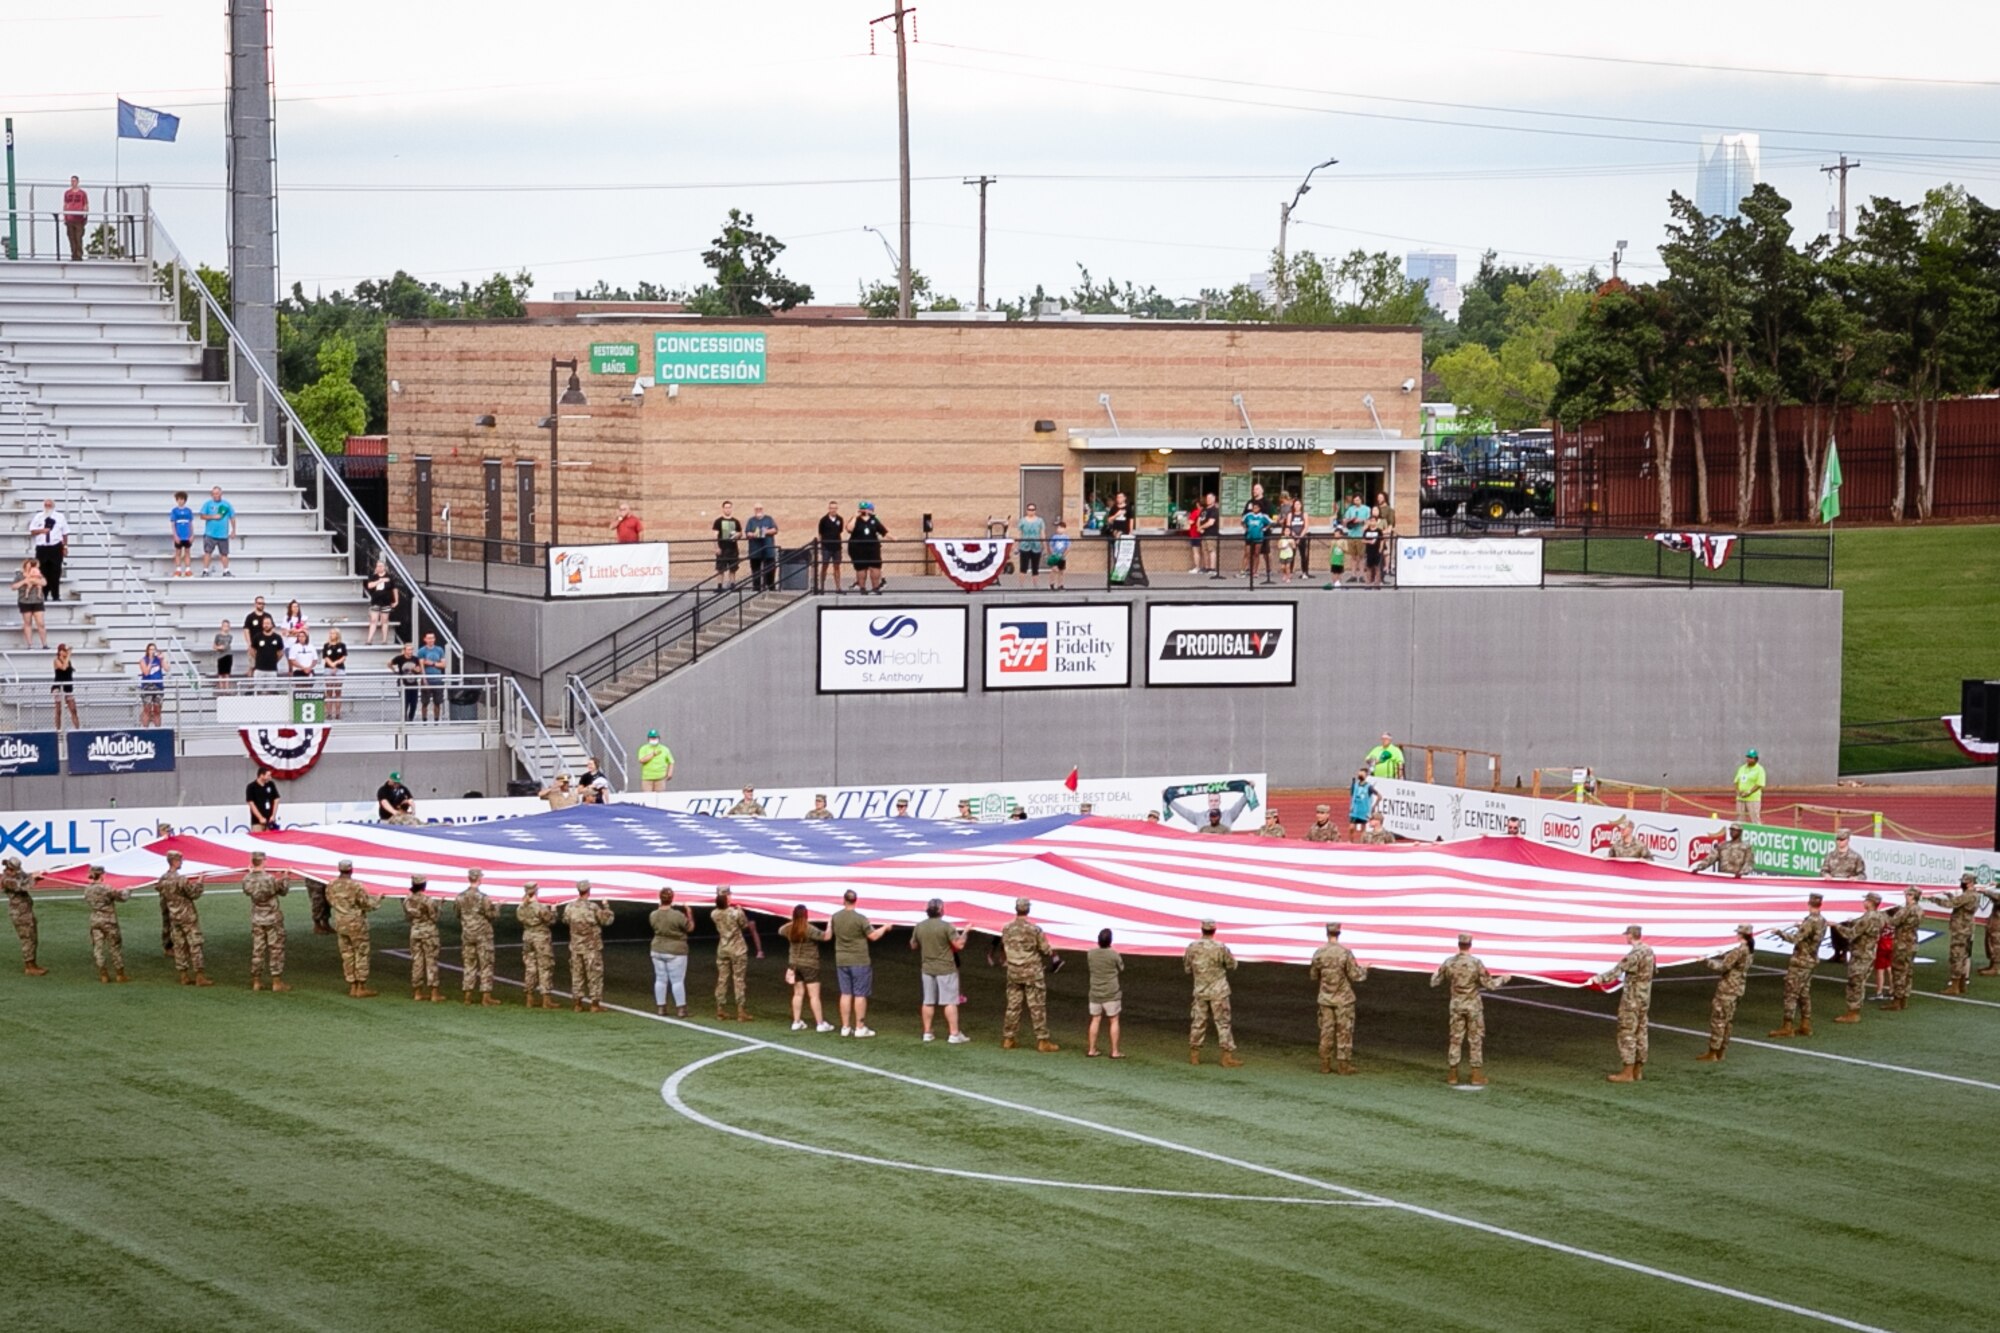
point(1979, 709)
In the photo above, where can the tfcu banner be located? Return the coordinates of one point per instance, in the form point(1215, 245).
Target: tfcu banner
point(142, 750)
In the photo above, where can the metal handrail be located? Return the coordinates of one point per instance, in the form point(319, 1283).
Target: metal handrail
point(583, 716)
point(127, 222)
point(363, 699)
point(523, 727)
point(323, 474)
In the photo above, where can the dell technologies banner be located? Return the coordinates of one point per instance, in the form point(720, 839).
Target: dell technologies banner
point(891, 649)
point(1221, 643)
point(1058, 647)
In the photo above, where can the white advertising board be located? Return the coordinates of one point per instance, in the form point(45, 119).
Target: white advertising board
point(608, 571)
point(1056, 646)
point(891, 649)
point(1221, 643)
point(1468, 562)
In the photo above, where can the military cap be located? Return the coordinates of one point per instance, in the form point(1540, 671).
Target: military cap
point(1635, 930)
point(1840, 836)
point(1735, 828)
point(528, 889)
point(475, 874)
point(1021, 906)
point(1912, 892)
point(97, 871)
point(1815, 899)
point(1208, 925)
point(345, 865)
point(173, 856)
point(722, 893)
point(583, 886)
point(1322, 809)
point(256, 858)
point(1871, 897)
point(1464, 941)
point(1745, 928)
point(12, 863)
point(418, 884)
point(1967, 878)
point(1333, 927)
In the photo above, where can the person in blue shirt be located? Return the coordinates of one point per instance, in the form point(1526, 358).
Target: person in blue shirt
point(1354, 523)
point(1360, 802)
point(182, 519)
point(1058, 559)
point(1033, 529)
point(762, 530)
point(432, 657)
point(218, 518)
point(152, 685)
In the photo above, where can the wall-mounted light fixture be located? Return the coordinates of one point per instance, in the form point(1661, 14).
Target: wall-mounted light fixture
point(486, 420)
point(1045, 427)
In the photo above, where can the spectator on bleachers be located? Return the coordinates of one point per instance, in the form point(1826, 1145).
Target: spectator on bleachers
point(253, 620)
point(180, 520)
point(76, 215)
point(593, 776)
point(383, 599)
point(152, 684)
point(333, 660)
point(64, 687)
point(295, 618)
point(433, 659)
point(410, 674)
point(224, 644)
point(50, 531)
point(267, 649)
point(218, 518)
point(301, 658)
point(31, 590)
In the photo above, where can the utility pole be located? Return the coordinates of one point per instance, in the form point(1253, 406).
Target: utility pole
point(1284, 220)
point(903, 149)
point(982, 182)
point(1617, 255)
point(1841, 169)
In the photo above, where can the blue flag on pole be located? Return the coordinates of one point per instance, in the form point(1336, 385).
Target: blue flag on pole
point(142, 122)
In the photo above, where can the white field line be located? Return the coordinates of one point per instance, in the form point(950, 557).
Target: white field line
point(1258, 1168)
point(1914, 992)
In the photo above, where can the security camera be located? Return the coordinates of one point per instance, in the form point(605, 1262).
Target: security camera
point(1409, 386)
point(673, 391)
point(639, 387)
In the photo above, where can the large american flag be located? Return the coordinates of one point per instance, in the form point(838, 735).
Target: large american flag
point(1533, 910)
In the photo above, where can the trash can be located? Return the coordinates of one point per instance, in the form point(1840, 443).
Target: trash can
point(523, 787)
point(215, 365)
point(464, 705)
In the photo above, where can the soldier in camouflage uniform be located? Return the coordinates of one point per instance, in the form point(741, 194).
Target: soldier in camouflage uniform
point(732, 956)
point(1903, 922)
point(1804, 939)
point(1214, 827)
point(538, 950)
point(1335, 970)
point(1961, 905)
point(166, 915)
point(1028, 953)
point(1992, 897)
point(16, 883)
point(1861, 933)
point(586, 921)
point(421, 911)
point(1272, 827)
point(1376, 834)
point(179, 893)
point(1209, 962)
point(1734, 857)
point(1735, 969)
point(476, 913)
point(1468, 979)
point(1843, 862)
point(349, 905)
point(1626, 844)
point(267, 924)
point(322, 915)
point(107, 943)
point(749, 805)
point(1635, 1004)
point(1322, 829)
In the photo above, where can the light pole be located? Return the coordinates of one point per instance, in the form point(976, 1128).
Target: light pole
point(1284, 220)
point(571, 396)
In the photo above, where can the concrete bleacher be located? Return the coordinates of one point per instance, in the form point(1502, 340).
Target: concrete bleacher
point(103, 408)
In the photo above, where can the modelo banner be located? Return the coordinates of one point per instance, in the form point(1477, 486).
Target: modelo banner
point(1058, 647)
point(607, 571)
point(1469, 562)
point(1426, 812)
point(30, 754)
point(1221, 643)
point(1181, 801)
point(891, 649)
point(142, 750)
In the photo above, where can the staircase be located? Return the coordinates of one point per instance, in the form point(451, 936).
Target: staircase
point(628, 671)
point(101, 397)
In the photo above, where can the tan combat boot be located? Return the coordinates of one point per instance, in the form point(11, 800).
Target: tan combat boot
point(465, 997)
point(1629, 1074)
point(1344, 1067)
point(1851, 1016)
point(549, 1001)
point(1990, 970)
point(122, 976)
point(1805, 1027)
point(278, 984)
point(1047, 1047)
point(1194, 1054)
point(1229, 1060)
point(1451, 1075)
point(1008, 1044)
point(597, 1007)
point(1326, 1064)
point(361, 991)
point(528, 998)
point(35, 969)
point(487, 1001)
point(103, 976)
point(1709, 1057)
point(1478, 1077)
point(1786, 1030)
point(417, 994)
point(437, 995)
point(256, 983)
point(576, 1003)
point(201, 979)
point(744, 1015)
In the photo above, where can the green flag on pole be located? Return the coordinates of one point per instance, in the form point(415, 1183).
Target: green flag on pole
point(1829, 485)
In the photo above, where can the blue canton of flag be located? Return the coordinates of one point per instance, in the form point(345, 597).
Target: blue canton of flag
point(142, 122)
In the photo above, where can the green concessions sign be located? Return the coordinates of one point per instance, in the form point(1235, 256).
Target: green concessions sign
point(685, 356)
point(614, 359)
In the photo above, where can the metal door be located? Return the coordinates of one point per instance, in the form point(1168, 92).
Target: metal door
point(495, 499)
point(424, 497)
point(524, 497)
point(1042, 487)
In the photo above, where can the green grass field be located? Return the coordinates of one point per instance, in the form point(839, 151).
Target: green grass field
point(221, 1159)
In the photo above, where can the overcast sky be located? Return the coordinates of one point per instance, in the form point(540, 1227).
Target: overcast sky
point(1150, 142)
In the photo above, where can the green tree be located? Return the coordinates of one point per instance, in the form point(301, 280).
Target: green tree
point(331, 408)
point(1628, 353)
point(1514, 387)
point(1707, 258)
point(1482, 313)
point(747, 282)
point(881, 298)
point(1361, 288)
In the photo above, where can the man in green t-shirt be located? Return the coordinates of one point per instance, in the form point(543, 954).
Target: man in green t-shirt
point(656, 763)
point(937, 946)
point(1750, 790)
point(851, 937)
point(1386, 759)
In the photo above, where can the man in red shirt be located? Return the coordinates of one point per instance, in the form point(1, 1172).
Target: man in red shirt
point(76, 212)
point(628, 526)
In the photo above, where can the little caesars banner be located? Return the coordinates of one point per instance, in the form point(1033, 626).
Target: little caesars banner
point(607, 571)
point(683, 356)
point(891, 650)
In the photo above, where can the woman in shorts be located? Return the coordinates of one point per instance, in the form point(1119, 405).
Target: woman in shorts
point(1373, 545)
point(802, 969)
point(152, 685)
point(31, 592)
point(1107, 997)
point(224, 644)
point(333, 661)
point(63, 688)
point(382, 599)
point(1058, 560)
point(671, 928)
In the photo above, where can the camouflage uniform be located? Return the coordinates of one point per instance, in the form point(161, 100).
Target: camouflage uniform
point(1627, 845)
point(1327, 832)
point(1992, 898)
point(405, 817)
point(1731, 858)
point(1804, 939)
point(179, 892)
point(1209, 962)
point(1467, 977)
point(421, 911)
point(747, 806)
point(1904, 921)
point(1272, 830)
point(1028, 954)
point(267, 923)
point(1214, 829)
point(1861, 932)
point(586, 921)
point(1843, 865)
point(1959, 932)
point(1735, 969)
point(1335, 970)
point(476, 912)
point(349, 905)
point(732, 957)
point(819, 814)
point(21, 909)
point(322, 915)
point(538, 950)
point(1635, 1001)
point(1380, 837)
point(107, 942)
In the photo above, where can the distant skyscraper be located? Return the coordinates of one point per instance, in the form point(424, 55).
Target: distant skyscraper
point(1725, 172)
point(1429, 266)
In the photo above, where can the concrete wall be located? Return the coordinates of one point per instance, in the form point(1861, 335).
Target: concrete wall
point(210, 780)
point(1662, 685)
point(526, 636)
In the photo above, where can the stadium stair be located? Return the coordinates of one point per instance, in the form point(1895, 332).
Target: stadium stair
point(682, 651)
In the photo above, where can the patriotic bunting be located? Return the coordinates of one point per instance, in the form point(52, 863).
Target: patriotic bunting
point(972, 565)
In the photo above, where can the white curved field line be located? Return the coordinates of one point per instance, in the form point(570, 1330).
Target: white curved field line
point(671, 1094)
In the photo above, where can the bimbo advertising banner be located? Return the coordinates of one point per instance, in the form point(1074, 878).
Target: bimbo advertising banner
point(1469, 562)
point(891, 649)
point(30, 754)
point(142, 750)
point(1058, 647)
point(1221, 643)
point(607, 571)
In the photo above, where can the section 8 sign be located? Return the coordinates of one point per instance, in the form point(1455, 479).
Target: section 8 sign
point(892, 650)
point(1058, 646)
point(1221, 643)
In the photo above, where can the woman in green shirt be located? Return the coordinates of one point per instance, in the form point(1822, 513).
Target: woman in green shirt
point(671, 926)
point(802, 969)
point(1106, 995)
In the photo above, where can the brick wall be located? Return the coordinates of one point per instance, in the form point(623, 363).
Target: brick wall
point(918, 417)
